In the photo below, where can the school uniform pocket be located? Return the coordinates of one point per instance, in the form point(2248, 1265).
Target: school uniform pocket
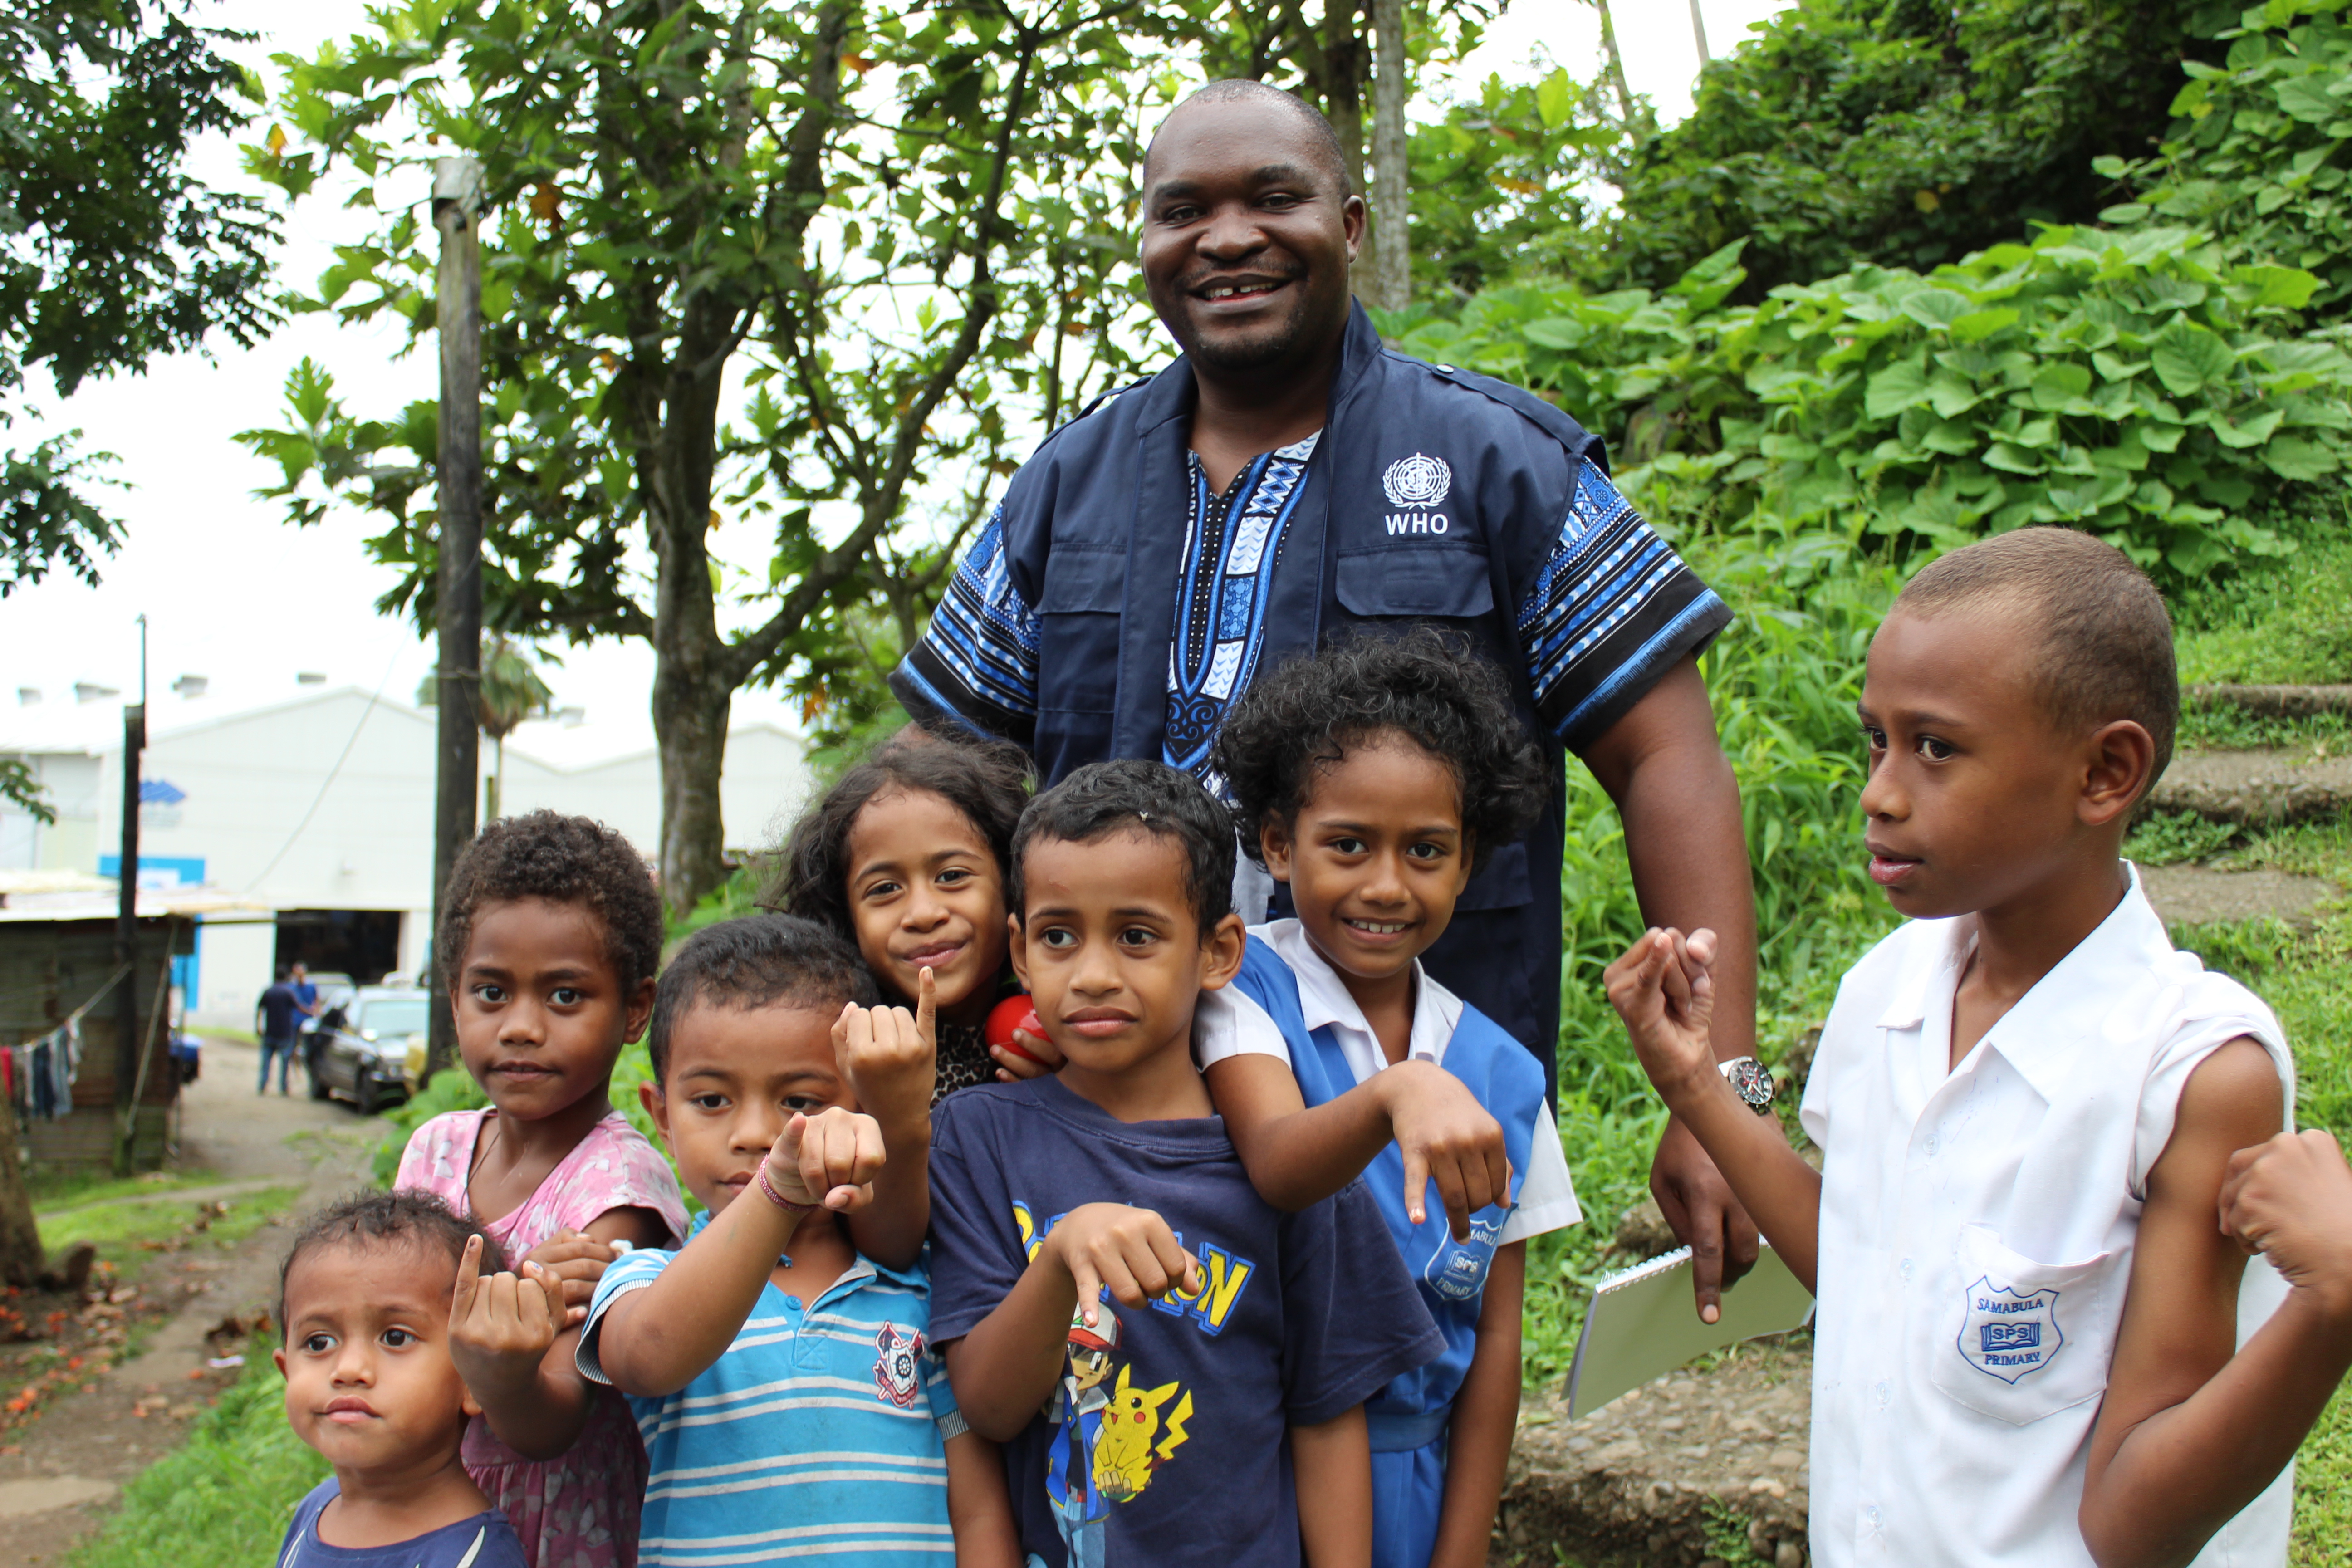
point(2020, 1339)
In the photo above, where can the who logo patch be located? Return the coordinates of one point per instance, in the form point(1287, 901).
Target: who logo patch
point(2010, 1335)
point(1417, 480)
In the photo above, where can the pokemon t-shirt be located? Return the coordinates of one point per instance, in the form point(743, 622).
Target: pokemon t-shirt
point(1165, 1441)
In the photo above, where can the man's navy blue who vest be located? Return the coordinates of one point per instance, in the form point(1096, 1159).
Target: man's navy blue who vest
point(1434, 495)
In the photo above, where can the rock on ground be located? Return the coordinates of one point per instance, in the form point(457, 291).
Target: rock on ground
point(1671, 1474)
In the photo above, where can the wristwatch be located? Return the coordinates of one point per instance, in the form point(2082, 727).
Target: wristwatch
point(1750, 1083)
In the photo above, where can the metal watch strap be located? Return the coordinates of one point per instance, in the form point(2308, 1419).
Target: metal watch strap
point(1750, 1083)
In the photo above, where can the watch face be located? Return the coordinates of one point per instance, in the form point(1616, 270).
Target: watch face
point(1751, 1082)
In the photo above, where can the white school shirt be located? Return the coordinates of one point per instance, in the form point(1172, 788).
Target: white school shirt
point(1241, 1028)
point(1977, 1231)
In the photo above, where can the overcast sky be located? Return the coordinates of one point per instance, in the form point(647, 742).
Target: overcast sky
point(233, 593)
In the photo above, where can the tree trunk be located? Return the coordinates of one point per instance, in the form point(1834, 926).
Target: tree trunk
point(694, 673)
point(20, 1237)
point(1344, 67)
point(1616, 63)
point(1391, 230)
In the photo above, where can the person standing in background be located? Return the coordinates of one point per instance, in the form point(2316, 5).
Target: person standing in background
point(279, 1022)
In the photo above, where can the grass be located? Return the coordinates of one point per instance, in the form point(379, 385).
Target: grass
point(55, 1189)
point(125, 1233)
point(225, 1498)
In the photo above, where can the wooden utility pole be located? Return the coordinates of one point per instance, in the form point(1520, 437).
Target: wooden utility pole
point(456, 204)
point(1698, 31)
point(128, 1037)
point(1391, 230)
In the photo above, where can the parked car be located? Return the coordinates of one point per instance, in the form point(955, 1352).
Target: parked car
point(363, 1046)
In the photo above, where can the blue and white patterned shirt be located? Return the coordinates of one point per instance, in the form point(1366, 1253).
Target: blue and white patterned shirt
point(820, 1435)
point(1608, 568)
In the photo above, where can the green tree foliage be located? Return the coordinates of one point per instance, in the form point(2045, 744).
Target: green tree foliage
point(2260, 149)
point(2137, 384)
point(889, 229)
point(1503, 185)
point(1903, 132)
point(111, 253)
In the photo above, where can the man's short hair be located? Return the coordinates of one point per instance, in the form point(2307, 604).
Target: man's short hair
point(761, 961)
point(407, 1217)
point(2106, 641)
point(1241, 89)
point(1134, 794)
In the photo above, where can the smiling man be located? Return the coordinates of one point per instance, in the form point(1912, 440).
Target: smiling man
point(1288, 478)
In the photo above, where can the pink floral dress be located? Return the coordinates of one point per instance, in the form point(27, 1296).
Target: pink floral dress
point(578, 1510)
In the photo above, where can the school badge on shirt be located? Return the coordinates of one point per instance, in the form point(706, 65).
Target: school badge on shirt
point(897, 1362)
point(2010, 1335)
point(1457, 1269)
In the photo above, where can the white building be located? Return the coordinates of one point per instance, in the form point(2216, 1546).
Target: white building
point(320, 808)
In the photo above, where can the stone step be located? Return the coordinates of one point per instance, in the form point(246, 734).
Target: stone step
point(2256, 789)
point(2194, 895)
point(2276, 701)
point(1649, 1478)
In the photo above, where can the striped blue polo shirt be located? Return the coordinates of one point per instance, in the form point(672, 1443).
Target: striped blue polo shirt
point(819, 1436)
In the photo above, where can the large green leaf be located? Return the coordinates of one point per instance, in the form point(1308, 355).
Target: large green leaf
point(1897, 387)
point(2189, 358)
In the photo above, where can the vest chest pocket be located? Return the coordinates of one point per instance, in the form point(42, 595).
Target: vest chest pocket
point(2019, 1340)
point(1382, 584)
point(1078, 614)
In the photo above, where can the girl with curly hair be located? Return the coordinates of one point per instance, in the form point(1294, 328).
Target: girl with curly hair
point(1369, 779)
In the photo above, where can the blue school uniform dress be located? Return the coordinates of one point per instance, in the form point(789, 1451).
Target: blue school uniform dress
point(1117, 603)
point(1331, 1050)
point(818, 1437)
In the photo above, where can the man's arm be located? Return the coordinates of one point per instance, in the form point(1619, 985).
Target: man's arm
point(1679, 800)
point(1331, 1467)
point(2193, 1429)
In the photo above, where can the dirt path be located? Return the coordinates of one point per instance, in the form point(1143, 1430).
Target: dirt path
point(59, 1475)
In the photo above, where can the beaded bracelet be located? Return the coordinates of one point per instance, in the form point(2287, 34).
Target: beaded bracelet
point(768, 1188)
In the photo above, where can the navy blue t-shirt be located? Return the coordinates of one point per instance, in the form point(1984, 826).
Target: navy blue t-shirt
point(485, 1541)
point(1165, 1440)
point(281, 1013)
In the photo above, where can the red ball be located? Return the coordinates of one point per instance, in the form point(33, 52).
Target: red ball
point(1013, 1013)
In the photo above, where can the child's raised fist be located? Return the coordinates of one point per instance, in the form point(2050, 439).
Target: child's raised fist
point(500, 1327)
point(2291, 1200)
point(1663, 990)
point(828, 1160)
point(891, 1055)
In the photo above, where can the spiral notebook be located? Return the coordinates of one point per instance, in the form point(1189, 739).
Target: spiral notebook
point(1642, 1325)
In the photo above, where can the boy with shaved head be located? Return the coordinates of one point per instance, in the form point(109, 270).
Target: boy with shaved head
point(2034, 1342)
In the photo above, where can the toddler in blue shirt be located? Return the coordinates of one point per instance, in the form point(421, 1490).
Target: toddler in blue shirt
point(365, 1294)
